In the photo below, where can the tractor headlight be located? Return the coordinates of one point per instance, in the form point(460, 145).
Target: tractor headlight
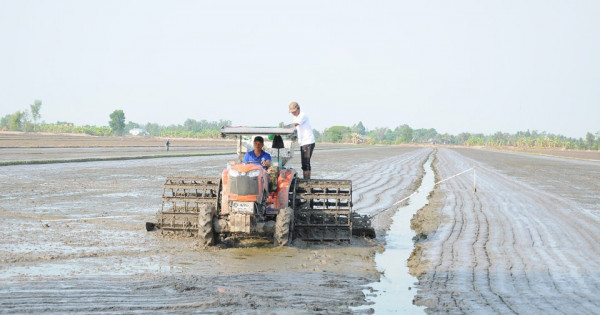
point(254, 173)
point(234, 173)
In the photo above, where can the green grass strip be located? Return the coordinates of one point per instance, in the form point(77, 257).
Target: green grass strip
point(120, 158)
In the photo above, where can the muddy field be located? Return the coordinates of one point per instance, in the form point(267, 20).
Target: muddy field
point(114, 265)
point(49, 140)
point(525, 242)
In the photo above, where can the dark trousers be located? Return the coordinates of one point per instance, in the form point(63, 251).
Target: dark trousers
point(305, 155)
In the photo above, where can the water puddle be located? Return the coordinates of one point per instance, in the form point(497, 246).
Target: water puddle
point(395, 291)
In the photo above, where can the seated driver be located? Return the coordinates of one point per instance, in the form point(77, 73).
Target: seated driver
point(258, 156)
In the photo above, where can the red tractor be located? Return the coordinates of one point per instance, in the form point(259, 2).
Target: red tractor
point(250, 201)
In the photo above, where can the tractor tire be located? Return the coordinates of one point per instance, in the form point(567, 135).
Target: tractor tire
point(283, 227)
point(205, 225)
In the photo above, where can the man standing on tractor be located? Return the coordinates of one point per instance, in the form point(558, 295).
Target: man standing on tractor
point(258, 156)
point(306, 138)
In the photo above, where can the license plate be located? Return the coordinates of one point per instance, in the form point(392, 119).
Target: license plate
point(245, 207)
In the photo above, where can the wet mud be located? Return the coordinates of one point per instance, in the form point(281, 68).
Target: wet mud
point(525, 242)
point(393, 292)
point(58, 255)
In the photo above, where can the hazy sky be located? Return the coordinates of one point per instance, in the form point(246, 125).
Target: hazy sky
point(456, 66)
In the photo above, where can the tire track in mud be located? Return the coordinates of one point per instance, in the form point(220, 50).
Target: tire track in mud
point(516, 261)
point(506, 236)
point(381, 183)
point(475, 256)
point(559, 262)
point(208, 293)
point(370, 174)
point(445, 301)
point(481, 267)
point(150, 274)
point(482, 271)
point(475, 229)
point(492, 274)
point(523, 244)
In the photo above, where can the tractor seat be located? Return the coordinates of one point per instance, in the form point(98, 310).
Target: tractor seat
point(277, 142)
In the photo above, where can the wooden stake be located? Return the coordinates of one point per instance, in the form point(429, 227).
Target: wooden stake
point(474, 181)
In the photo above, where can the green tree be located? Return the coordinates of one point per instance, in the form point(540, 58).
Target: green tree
point(462, 138)
point(5, 122)
point(475, 140)
point(154, 129)
point(317, 135)
point(589, 139)
point(16, 121)
point(131, 125)
point(447, 138)
point(379, 135)
point(425, 135)
point(359, 128)
point(35, 111)
point(336, 134)
point(117, 122)
point(192, 125)
point(404, 133)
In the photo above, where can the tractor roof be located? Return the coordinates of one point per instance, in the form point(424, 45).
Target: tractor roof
point(242, 130)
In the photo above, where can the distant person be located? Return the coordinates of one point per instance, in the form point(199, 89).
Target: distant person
point(168, 144)
point(258, 156)
point(306, 138)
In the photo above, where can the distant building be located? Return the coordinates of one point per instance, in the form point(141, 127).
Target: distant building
point(138, 132)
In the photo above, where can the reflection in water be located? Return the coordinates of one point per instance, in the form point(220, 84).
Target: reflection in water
point(394, 293)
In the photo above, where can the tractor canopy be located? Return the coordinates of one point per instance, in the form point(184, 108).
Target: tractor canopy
point(280, 142)
point(248, 131)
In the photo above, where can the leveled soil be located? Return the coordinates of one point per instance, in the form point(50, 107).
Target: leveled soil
point(51, 140)
point(56, 251)
point(525, 242)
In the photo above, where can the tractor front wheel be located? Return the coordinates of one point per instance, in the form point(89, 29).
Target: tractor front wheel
point(283, 227)
point(205, 225)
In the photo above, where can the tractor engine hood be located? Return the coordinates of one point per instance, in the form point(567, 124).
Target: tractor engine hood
point(244, 181)
point(243, 184)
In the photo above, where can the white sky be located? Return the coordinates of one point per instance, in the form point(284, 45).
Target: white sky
point(456, 66)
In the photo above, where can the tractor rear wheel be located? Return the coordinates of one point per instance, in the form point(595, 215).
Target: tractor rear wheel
point(205, 225)
point(283, 227)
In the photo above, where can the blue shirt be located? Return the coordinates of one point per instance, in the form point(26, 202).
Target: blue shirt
point(251, 158)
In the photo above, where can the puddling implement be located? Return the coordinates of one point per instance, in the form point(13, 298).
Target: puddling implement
point(249, 201)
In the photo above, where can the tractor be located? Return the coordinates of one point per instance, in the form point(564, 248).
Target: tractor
point(248, 201)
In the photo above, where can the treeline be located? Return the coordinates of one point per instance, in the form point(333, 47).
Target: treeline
point(190, 129)
point(26, 120)
point(22, 120)
point(405, 134)
point(67, 127)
